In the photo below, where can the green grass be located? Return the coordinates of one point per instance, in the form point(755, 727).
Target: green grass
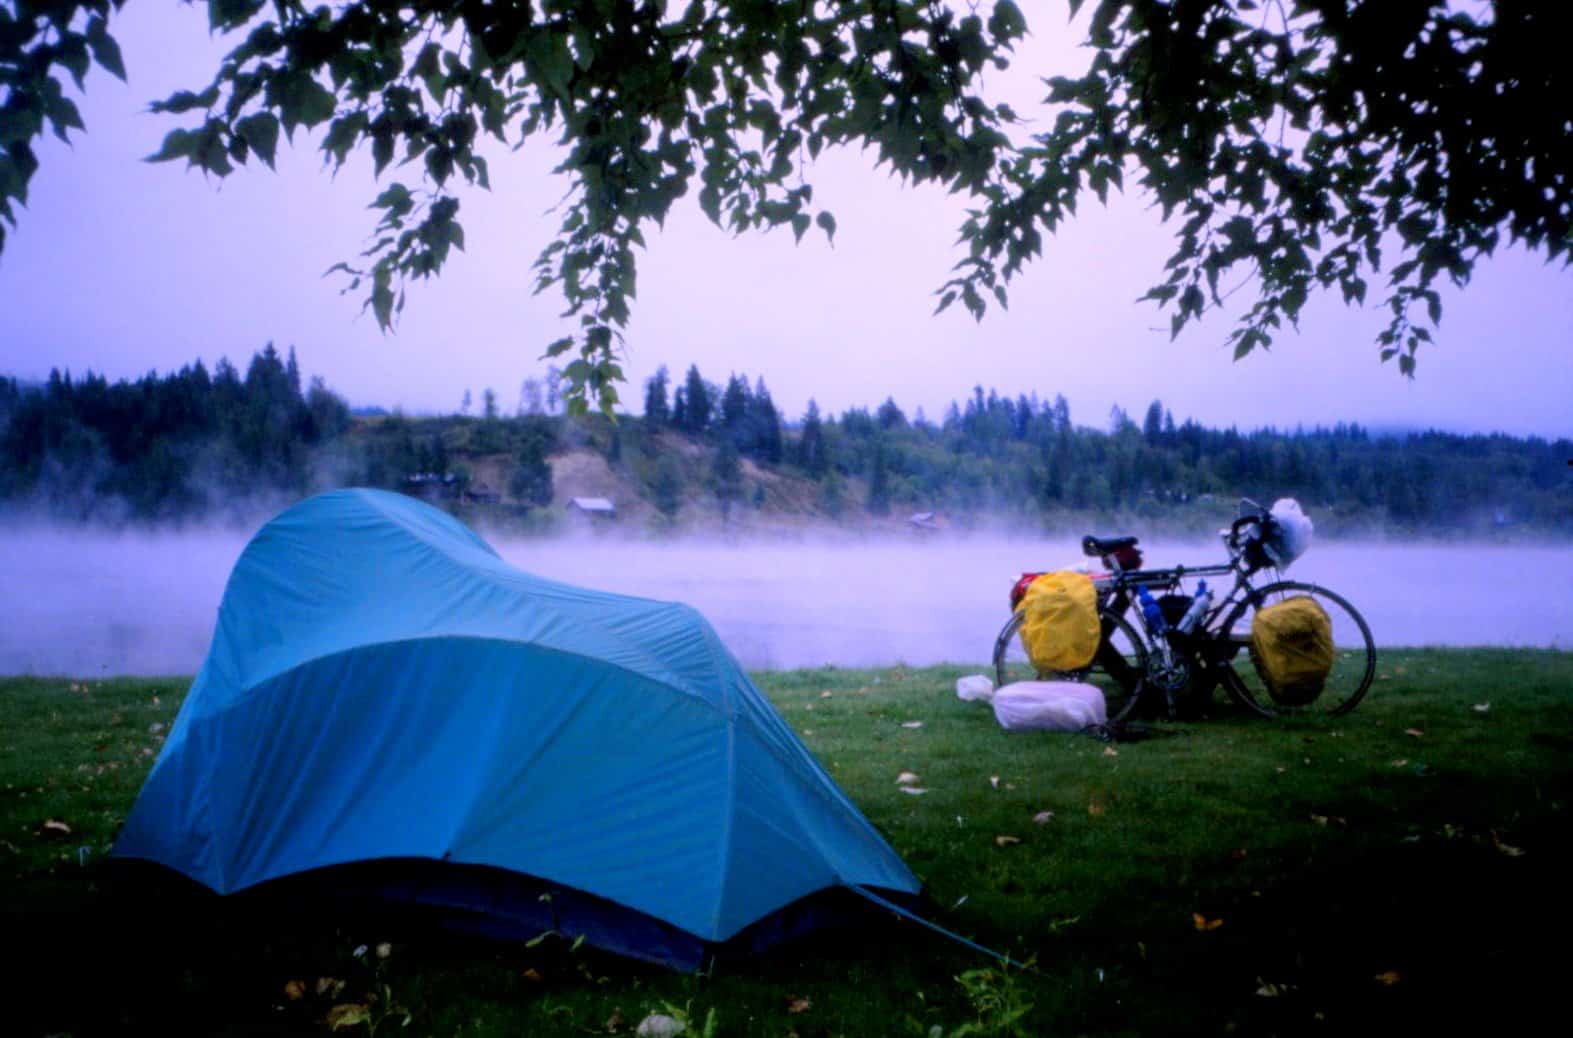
point(1392, 869)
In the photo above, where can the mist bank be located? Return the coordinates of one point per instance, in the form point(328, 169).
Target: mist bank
point(88, 602)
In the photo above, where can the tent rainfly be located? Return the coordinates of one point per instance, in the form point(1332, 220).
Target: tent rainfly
point(390, 708)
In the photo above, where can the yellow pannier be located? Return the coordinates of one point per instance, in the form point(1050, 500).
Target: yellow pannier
point(1292, 647)
point(1059, 628)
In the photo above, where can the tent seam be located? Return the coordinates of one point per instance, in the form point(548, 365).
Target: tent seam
point(253, 687)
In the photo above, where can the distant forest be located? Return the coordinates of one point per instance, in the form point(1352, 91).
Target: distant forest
point(173, 446)
point(193, 442)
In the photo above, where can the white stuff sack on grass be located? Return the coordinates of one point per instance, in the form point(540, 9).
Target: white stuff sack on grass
point(1291, 534)
point(1051, 706)
point(974, 687)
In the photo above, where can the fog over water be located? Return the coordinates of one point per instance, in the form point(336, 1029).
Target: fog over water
point(87, 602)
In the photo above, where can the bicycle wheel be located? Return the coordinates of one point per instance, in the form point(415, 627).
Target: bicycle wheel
point(1354, 655)
point(1119, 669)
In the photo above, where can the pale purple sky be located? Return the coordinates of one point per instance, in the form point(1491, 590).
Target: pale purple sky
point(123, 266)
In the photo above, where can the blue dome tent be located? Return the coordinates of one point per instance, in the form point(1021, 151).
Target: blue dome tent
point(384, 690)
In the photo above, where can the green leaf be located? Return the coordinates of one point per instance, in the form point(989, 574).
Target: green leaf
point(226, 14)
point(350, 1014)
point(382, 301)
point(343, 135)
point(186, 101)
point(395, 198)
point(72, 53)
point(304, 101)
point(105, 50)
point(827, 223)
point(552, 62)
point(177, 144)
point(64, 115)
point(381, 149)
point(1007, 23)
point(261, 132)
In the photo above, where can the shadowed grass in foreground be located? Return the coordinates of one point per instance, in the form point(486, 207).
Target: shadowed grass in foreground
point(1390, 869)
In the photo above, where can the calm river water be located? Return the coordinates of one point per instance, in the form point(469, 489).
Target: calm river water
point(88, 603)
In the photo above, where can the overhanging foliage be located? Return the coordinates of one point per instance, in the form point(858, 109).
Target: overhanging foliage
point(1295, 142)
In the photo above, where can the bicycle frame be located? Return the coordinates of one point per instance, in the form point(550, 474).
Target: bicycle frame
point(1194, 662)
point(1124, 582)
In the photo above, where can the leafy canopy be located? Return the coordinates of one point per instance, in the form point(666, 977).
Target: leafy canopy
point(1294, 143)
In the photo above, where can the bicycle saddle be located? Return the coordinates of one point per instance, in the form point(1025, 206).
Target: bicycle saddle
point(1096, 546)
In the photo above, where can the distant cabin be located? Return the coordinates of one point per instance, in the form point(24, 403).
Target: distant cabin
point(595, 507)
point(431, 486)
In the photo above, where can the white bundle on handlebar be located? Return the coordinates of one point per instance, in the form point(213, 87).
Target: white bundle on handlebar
point(1289, 533)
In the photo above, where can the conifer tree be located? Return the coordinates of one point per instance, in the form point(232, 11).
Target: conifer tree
point(699, 402)
point(656, 412)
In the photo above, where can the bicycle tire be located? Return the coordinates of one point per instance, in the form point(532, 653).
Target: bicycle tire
point(1119, 669)
point(1354, 654)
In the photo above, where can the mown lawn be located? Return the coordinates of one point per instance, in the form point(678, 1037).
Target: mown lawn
point(1402, 867)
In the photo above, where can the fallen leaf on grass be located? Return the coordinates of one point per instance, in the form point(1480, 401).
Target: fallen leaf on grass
point(906, 778)
point(55, 825)
point(1110, 751)
point(1006, 841)
point(294, 990)
point(533, 974)
point(1511, 852)
point(1414, 733)
point(1204, 924)
point(825, 694)
point(1402, 762)
point(1043, 818)
point(350, 1014)
point(916, 791)
point(1094, 808)
point(797, 1004)
point(912, 724)
point(1319, 819)
point(1388, 978)
point(1482, 708)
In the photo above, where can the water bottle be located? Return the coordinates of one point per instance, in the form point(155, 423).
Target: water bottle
point(1150, 610)
point(1199, 606)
